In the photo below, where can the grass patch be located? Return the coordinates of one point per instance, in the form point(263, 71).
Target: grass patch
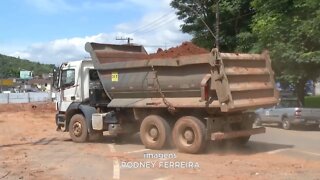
point(312, 101)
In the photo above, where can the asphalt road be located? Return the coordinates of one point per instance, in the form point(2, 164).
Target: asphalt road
point(30, 148)
point(114, 160)
point(299, 142)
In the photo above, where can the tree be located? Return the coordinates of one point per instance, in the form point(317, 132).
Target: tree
point(290, 30)
point(235, 18)
point(11, 66)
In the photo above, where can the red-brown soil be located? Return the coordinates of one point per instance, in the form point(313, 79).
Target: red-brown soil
point(30, 148)
point(185, 49)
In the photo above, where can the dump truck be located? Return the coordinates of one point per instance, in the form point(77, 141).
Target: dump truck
point(183, 101)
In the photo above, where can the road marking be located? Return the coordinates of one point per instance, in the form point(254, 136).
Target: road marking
point(277, 151)
point(307, 152)
point(137, 151)
point(163, 178)
point(116, 163)
point(112, 148)
point(297, 150)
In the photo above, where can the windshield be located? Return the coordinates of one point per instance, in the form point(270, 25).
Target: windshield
point(68, 77)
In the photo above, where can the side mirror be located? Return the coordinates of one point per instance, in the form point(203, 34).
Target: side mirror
point(55, 82)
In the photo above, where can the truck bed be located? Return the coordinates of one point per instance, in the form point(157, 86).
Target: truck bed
point(225, 81)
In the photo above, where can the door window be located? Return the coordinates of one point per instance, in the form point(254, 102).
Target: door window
point(68, 78)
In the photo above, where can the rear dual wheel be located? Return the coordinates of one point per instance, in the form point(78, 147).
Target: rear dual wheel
point(189, 135)
point(155, 132)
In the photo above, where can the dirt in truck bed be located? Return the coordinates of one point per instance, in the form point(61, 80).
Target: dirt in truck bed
point(31, 148)
point(185, 49)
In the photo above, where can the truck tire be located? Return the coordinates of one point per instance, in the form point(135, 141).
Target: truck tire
point(78, 128)
point(286, 123)
point(155, 132)
point(189, 135)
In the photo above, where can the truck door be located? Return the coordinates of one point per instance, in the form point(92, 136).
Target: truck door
point(68, 89)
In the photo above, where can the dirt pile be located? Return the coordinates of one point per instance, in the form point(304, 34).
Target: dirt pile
point(185, 49)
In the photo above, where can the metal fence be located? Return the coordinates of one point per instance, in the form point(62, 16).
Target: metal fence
point(6, 98)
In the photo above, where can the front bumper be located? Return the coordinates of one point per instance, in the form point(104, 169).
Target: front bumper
point(60, 121)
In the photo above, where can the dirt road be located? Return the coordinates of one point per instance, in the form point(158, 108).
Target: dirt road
point(30, 148)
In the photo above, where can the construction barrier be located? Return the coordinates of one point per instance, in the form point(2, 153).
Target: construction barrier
point(7, 98)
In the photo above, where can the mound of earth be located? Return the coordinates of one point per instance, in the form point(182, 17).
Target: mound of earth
point(185, 49)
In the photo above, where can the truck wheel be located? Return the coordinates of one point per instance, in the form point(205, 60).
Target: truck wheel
point(189, 135)
point(155, 132)
point(78, 128)
point(286, 123)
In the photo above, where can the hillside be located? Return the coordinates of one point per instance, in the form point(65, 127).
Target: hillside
point(10, 67)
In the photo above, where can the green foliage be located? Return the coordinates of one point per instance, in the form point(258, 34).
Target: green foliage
point(312, 101)
point(235, 18)
point(11, 66)
point(290, 30)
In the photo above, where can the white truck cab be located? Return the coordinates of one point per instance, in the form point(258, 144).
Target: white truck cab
point(73, 83)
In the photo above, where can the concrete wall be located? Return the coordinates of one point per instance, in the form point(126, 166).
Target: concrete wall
point(24, 97)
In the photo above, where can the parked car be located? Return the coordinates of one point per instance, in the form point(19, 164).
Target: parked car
point(287, 114)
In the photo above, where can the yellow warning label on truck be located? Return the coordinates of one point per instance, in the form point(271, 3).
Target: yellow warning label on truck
point(114, 77)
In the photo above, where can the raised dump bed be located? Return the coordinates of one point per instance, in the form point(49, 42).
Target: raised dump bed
point(187, 78)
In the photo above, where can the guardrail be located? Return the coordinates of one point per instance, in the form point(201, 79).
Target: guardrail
point(7, 98)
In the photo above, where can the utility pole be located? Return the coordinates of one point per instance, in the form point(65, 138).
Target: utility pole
point(217, 24)
point(127, 38)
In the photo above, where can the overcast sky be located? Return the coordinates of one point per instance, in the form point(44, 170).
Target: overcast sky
point(53, 31)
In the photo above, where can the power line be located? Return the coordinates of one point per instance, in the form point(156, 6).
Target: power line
point(157, 26)
point(165, 45)
point(202, 20)
point(168, 18)
point(152, 23)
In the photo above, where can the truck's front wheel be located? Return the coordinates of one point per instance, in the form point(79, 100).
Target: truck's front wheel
point(189, 135)
point(78, 128)
point(155, 132)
